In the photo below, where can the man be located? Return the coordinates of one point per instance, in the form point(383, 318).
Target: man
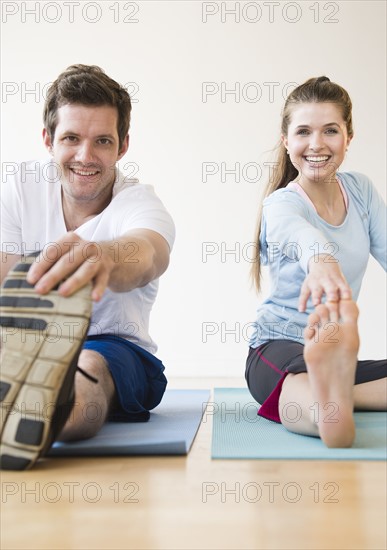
point(97, 237)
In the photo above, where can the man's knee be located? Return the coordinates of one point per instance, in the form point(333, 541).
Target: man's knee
point(94, 368)
point(93, 363)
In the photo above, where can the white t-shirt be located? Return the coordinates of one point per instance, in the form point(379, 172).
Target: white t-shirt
point(32, 216)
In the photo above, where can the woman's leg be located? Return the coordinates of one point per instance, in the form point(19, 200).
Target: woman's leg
point(371, 396)
point(321, 401)
point(298, 410)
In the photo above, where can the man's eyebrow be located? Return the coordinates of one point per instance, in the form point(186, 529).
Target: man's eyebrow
point(70, 133)
point(110, 136)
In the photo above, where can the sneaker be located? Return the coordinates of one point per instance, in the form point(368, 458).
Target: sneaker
point(41, 339)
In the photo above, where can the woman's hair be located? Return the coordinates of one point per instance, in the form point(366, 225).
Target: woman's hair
point(87, 85)
point(314, 90)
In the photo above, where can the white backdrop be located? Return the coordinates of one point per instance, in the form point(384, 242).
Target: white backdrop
point(208, 81)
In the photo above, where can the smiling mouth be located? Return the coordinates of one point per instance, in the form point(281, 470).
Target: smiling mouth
point(317, 160)
point(84, 172)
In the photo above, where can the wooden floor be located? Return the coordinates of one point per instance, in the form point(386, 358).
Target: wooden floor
point(194, 502)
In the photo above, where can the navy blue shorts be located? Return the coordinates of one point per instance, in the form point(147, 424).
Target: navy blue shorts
point(137, 374)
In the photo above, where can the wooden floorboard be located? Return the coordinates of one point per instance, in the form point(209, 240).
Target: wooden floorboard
point(194, 502)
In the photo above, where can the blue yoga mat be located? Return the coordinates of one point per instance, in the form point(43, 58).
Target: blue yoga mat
point(239, 433)
point(170, 430)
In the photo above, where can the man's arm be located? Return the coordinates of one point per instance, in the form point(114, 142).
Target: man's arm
point(7, 262)
point(129, 262)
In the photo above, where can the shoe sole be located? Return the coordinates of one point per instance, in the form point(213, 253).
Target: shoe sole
point(41, 339)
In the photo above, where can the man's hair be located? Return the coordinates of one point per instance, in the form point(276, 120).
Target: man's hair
point(87, 85)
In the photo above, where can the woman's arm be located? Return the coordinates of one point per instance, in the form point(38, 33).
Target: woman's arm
point(324, 277)
point(288, 225)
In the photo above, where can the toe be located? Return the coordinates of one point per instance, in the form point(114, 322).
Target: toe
point(323, 312)
point(349, 311)
point(312, 327)
point(333, 308)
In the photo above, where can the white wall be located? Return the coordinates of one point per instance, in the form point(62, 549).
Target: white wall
point(169, 50)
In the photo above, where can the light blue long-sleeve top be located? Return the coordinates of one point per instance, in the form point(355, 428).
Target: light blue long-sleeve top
point(292, 233)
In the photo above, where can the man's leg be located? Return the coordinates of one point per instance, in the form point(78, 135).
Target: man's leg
point(93, 401)
point(41, 340)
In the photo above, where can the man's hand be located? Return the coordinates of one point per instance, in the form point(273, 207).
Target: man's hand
point(79, 260)
point(130, 262)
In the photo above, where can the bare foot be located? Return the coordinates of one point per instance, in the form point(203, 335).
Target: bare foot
point(330, 354)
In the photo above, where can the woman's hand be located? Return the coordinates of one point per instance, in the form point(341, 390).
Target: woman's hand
point(324, 277)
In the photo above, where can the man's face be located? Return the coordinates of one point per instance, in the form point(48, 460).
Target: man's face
point(86, 149)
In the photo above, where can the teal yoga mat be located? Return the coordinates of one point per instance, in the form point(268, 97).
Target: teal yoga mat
point(170, 430)
point(239, 433)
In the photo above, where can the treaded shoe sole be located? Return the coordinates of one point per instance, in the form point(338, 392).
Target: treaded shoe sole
point(41, 339)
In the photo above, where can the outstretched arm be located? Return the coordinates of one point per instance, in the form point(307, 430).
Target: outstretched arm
point(129, 262)
point(288, 225)
point(324, 277)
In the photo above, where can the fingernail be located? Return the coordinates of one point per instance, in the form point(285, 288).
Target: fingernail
point(31, 278)
point(63, 289)
point(40, 287)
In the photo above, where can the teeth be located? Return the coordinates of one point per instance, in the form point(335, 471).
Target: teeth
point(81, 173)
point(317, 159)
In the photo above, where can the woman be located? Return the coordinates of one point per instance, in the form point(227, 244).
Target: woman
point(316, 229)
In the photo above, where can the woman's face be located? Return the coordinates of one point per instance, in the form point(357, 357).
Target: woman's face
point(316, 141)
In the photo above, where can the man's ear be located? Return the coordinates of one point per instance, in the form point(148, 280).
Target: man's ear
point(124, 148)
point(47, 140)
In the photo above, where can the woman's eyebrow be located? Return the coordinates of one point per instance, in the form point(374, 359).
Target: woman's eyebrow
point(328, 124)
